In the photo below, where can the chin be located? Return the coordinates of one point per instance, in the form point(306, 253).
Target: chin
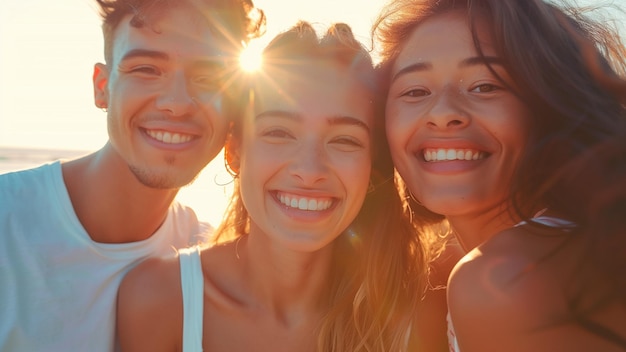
point(161, 180)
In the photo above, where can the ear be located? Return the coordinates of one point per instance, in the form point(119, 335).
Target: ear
point(231, 154)
point(100, 82)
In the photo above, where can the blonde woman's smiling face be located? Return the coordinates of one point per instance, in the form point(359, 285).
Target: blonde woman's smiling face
point(306, 155)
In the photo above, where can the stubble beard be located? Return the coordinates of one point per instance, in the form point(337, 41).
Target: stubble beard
point(159, 180)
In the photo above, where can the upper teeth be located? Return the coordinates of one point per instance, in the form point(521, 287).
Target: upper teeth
point(168, 137)
point(305, 203)
point(452, 154)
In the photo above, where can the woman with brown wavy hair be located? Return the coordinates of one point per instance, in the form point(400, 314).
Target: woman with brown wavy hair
point(508, 118)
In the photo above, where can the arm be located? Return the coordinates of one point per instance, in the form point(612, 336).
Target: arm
point(149, 308)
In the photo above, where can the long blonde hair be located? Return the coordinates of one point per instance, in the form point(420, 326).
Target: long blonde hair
point(379, 263)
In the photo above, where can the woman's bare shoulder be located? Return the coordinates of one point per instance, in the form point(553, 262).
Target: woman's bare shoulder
point(507, 272)
point(508, 294)
point(149, 307)
point(156, 276)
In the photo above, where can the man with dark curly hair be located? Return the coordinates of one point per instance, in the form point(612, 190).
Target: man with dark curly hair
point(69, 231)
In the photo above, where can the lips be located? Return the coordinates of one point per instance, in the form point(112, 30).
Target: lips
point(304, 203)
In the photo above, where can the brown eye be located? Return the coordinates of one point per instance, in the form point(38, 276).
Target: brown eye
point(415, 93)
point(485, 88)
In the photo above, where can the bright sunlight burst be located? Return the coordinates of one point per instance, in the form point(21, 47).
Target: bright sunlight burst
point(250, 58)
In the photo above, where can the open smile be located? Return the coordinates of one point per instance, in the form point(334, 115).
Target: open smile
point(304, 203)
point(169, 137)
point(442, 154)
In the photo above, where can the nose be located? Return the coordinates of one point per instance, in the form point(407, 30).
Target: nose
point(175, 96)
point(447, 110)
point(310, 164)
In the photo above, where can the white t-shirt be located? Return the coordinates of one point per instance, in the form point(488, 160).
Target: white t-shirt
point(58, 288)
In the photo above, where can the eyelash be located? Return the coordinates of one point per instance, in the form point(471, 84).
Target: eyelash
point(146, 70)
point(411, 93)
point(277, 133)
point(419, 92)
point(348, 141)
point(492, 87)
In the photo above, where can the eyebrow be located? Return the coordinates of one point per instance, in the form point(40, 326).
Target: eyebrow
point(471, 61)
point(145, 53)
point(333, 120)
point(208, 62)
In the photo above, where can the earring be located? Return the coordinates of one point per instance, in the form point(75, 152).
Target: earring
point(414, 198)
point(232, 168)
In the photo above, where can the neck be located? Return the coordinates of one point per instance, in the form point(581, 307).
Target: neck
point(474, 229)
point(110, 203)
point(290, 284)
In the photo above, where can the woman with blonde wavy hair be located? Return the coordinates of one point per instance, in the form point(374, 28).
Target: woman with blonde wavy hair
point(315, 252)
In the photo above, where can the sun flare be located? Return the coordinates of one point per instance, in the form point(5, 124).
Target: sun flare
point(250, 58)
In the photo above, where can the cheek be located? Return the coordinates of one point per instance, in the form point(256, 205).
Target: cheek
point(513, 134)
point(125, 95)
point(258, 162)
point(252, 176)
point(400, 122)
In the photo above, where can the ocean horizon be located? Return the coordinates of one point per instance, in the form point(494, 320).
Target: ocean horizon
point(207, 195)
point(19, 158)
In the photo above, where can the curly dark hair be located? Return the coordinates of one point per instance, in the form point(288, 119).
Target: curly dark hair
point(241, 19)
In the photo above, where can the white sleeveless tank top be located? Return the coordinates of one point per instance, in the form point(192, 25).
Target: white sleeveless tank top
point(192, 284)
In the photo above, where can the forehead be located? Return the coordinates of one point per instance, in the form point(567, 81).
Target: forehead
point(179, 32)
point(316, 88)
point(443, 37)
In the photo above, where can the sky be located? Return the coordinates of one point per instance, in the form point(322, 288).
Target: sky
point(48, 48)
point(47, 52)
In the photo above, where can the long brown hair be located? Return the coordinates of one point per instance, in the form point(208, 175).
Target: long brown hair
point(568, 70)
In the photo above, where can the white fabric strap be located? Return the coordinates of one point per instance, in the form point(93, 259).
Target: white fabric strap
point(192, 283)
point(453, 344)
